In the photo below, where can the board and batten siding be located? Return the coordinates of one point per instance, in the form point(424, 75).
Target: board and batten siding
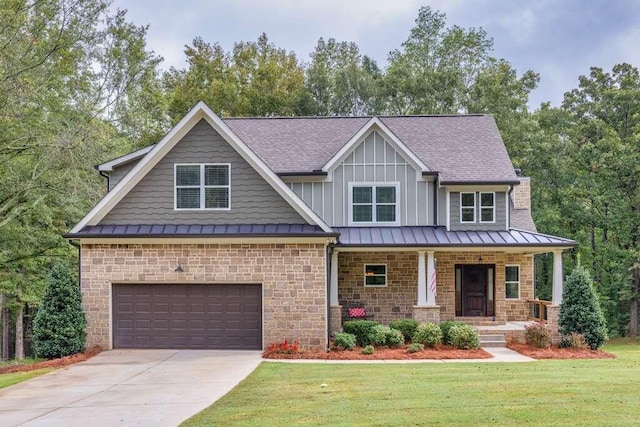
point(252, 199)
point(374, 160)
point(500, 214)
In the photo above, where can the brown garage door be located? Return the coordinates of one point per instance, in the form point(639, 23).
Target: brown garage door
point(187, 316)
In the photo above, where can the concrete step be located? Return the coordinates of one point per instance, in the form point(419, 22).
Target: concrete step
point(492, 340)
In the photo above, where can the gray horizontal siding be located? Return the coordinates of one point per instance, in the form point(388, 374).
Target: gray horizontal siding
point(372, 161)
point(253, 200)
point(500, 214)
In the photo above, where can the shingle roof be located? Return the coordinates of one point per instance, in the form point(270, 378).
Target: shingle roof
point(440, 237)
point(462, 147)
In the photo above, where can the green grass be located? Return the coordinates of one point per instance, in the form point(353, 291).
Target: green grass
point(17, 377)
point(25, 361)
point(563, 392)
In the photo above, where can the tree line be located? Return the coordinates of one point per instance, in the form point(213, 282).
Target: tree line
point(79, 86)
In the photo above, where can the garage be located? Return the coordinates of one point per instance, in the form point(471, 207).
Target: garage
point(187, 316)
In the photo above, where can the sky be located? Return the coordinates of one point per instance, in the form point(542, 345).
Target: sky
point(559, 39)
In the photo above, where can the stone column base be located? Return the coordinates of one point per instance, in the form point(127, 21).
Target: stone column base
point(335, 312)
point(553, 315)
point(426, 314)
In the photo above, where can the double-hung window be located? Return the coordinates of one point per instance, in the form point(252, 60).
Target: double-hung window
point(203, 186)
point(374, 204)
point(512, 281)
point(467, 207)
point(487, 207)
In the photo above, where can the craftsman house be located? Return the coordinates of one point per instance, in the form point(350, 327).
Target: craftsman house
point(235, 233)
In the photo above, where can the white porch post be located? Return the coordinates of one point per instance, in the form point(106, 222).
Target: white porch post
point(431, 270)
point(333, 280)
point(422, 281)
point(556, 298)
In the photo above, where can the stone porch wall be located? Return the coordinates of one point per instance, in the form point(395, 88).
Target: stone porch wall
point(398, 298)
point(293, 278)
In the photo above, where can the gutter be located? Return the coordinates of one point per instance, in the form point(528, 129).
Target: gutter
point(316, 172)
point(190, 236)
point(507, 182)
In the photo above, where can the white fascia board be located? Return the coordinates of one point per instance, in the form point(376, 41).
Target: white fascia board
point(375, 124)
point(200, 111)
point(108, 166)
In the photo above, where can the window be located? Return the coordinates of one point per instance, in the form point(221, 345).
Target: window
point(374, 204)
point(487, 207)
point(375, 275)
point(467, 207)
point(202, 186)
point(512, 281)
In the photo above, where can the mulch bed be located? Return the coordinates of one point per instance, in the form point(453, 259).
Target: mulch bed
point(438, 353)
point(558, 353)
point(53, 363)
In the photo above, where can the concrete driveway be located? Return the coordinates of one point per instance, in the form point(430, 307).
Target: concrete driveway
point(127, 387)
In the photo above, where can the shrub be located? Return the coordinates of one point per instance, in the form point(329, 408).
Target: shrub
point(428, 334)
point(361, 329)
point(415, 347)
point(344, 340)
point(580, 310)
point(575, 341)
point(538, 335)
point(59, 327)
point(368, 350)
point(445, 327)
point(406, 326)
point(284, 347)
point(381, 336)
point(464, 337)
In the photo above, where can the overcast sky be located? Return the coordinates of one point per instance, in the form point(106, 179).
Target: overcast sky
point(559, 39)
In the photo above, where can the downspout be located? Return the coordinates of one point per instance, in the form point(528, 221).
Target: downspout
point(329, 251)
point(436, 184)
point(106, 175)
point(77, 245)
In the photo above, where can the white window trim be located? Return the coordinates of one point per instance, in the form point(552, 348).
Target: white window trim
point(386, 278)
point(373, 185)
point(201, 187)
point(480, 208)
point(475, 202)
point(511, 281)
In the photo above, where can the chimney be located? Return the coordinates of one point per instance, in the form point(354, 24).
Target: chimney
point(521, 194)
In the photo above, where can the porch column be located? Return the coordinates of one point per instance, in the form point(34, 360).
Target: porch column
point(333, 281)
point(556, 295)
point(431, 277)
point(422, 281)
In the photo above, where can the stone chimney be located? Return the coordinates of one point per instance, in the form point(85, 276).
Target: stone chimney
point(521, 194)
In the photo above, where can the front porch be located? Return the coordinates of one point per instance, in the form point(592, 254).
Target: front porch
point(434, 286)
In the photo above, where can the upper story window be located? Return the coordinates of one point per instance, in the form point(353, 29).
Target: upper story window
point(374, 204)
point(467, 207)
point(202, 186)
point(487, 207)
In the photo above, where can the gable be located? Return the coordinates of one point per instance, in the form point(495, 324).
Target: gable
point(252, 199)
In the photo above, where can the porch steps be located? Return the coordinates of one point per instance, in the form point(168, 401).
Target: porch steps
point(492, 340)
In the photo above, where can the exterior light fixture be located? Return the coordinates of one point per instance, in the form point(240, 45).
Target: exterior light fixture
point(179, 269)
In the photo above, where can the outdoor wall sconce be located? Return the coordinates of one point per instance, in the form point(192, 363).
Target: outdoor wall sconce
point(179, 269)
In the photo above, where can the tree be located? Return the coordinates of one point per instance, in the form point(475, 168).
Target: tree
point(580, 311)
point(59, 326)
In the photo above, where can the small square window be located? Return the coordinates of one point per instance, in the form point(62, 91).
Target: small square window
point(202, 186)
point(375, 275)
point(512, 281)
point(372, 204)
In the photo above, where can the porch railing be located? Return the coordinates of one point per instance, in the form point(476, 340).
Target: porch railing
point(538, 310)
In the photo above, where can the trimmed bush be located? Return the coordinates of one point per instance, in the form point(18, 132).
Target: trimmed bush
point(428, 334)
point(580, 310)
point(575, 341)
point(59, 327)
point(368, 350)
point(415, 347)
point(464, 337)
point(361, 329)
point(381, 336)
point(538, 335)
point(406, 326)
point(344, 340)
point(445, 327)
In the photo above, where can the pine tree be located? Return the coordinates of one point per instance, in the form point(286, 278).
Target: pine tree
point(59, 326)
point(580, 310)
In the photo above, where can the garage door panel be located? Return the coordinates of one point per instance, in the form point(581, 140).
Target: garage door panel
point(187, 316)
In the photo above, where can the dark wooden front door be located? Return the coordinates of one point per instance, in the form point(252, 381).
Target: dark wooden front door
point(474, 290)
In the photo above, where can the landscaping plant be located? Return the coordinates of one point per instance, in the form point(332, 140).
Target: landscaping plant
point(406, 326)
point(445, 327)
point(538, 335)
point(428, 334)
point(464, 337)
point(580, 310)
point(368, 350)
point(415, 347)
point(361, 329)
point(574, 341)
point(381, 336)
point(59, 327)
point(344, 340)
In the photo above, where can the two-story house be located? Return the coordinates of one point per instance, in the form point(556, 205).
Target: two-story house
point(239, 232)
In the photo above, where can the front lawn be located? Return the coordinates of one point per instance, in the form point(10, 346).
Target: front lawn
point(560, 392)
point(17, 377)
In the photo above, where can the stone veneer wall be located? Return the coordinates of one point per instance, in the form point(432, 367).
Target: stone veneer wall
point(293, 278)
point(398, 298)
